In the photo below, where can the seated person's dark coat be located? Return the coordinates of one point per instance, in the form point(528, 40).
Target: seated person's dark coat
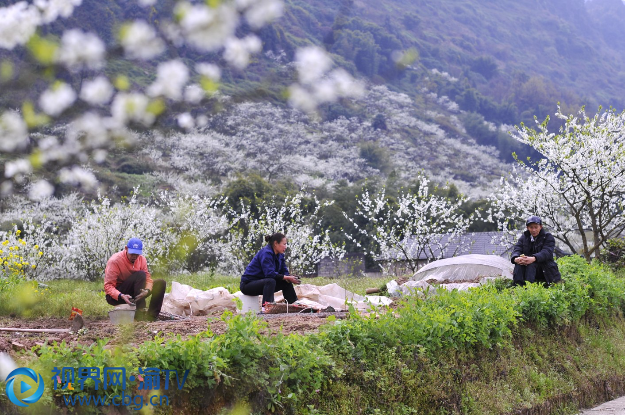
point(542, 249)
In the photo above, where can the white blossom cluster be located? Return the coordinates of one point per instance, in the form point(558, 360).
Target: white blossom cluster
point(19, 21)
point(317, 84)
point(279, 143)
point(13, 131)
point(179, 232)
point(577, 187)
point(419, 227)
point(30, 245)
point(104, 229)
point(444, 75)
point(118, 108)
point(306, 246)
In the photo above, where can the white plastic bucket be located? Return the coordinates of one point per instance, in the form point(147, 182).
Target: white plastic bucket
point(122, 316)
point(250, 303)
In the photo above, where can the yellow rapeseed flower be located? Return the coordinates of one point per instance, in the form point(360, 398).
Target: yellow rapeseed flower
point(17, 232)
point(40, 253)
point(34, 266)
point(5, 243)
point(36, 246)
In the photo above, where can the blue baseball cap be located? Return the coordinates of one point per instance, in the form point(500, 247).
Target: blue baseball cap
point(135, 246)
point(533, 219)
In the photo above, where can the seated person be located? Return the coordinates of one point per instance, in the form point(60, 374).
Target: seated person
point(128, 281)
point(267, 273)
point(533, 255)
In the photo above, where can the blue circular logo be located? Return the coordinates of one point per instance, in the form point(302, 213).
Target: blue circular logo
point(24, 395)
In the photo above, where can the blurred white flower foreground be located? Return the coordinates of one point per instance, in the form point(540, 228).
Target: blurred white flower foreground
point(106, 112)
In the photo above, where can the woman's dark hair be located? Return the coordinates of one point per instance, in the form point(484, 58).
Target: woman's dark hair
point(276, 237)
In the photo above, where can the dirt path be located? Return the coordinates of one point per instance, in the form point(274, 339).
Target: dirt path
point(615, 407)
point(139, 332)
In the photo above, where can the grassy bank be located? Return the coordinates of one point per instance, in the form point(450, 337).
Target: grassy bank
point(491, 350)
point(542, 371)
point(56, 300)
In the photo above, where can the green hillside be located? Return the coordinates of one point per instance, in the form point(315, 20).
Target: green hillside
point(479, 68)
point(523, 57)
point(513, 58)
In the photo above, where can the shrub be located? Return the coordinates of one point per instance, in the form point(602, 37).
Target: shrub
point(614, 253)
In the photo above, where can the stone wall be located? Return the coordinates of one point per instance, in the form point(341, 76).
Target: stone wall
point(352, 264)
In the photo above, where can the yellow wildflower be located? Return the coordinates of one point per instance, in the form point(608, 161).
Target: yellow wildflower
point(36, 246)
point(17, 232)
point(40, 253)
point(34, 266)
point(5, 243)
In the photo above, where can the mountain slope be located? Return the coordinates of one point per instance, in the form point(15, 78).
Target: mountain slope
point(479, 67)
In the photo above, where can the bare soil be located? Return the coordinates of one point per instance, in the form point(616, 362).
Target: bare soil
point(139, 332)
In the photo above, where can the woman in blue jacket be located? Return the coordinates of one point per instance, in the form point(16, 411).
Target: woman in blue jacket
point(267, 273)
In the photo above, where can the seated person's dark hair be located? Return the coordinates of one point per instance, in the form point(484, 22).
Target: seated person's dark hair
point(276, 237)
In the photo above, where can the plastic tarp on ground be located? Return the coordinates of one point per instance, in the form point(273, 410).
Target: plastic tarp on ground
point(184, 300)
point(461, 273)
point(320, 297)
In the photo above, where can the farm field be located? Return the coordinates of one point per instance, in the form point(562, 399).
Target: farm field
point(492, 349)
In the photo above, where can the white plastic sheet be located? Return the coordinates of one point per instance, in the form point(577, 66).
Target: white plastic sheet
point(335, 296)
point(465, 268)
point(393, 289)
point(457, 273)
point(184, 300)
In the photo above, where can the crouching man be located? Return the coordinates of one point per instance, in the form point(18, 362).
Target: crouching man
point(128, 281)
point(533, 255)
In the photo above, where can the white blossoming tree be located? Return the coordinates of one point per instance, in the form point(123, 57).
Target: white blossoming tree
point(108, 110)
point(577, 188)
point(200, 227)
point(105, 229)
point(416, 226)
point(300, 223)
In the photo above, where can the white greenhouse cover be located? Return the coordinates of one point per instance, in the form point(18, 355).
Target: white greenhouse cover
point(465, 269)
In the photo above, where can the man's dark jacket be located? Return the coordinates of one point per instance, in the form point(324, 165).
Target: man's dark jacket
point(542, 249)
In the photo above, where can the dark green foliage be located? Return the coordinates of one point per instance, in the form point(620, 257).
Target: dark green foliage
point(485, 66)
point(376, 156)
point(411, 21)
point(614, 253)
point(359, 47)
point(252, 190)
point(379, 122)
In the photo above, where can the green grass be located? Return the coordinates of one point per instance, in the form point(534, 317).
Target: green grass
point(61, 295)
